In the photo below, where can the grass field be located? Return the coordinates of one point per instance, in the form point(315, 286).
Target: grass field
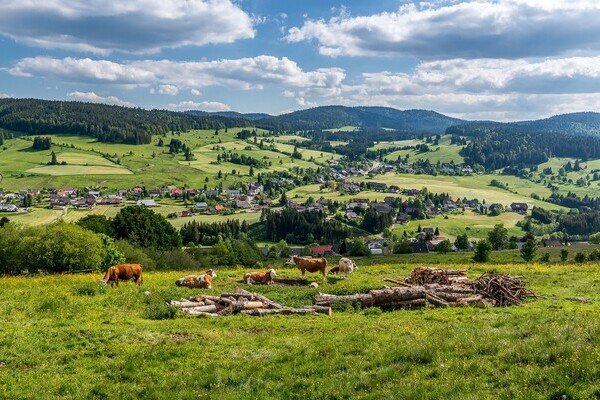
point(302, 193)
point(444, 152)
point(63, 337)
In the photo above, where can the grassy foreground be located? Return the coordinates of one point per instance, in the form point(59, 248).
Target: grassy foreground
point(64, 337)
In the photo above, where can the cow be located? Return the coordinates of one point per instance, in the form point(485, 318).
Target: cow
point(310, 265)
point(263, 277)
point(197, 281)
point(123, 272)
point(345, 266)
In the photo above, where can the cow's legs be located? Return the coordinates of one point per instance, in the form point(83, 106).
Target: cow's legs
point(303, 271)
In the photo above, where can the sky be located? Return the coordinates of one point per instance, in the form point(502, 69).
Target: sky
point(487, 59)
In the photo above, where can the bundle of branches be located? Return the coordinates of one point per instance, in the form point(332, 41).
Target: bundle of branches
point(504, 289)
point(425, 275)
point(243, 302)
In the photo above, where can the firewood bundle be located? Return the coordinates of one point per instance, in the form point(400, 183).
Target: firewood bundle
point(504, 289)
point(243, 302)
point(425, 275)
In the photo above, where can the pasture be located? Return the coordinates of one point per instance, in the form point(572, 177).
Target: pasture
point(64, 337)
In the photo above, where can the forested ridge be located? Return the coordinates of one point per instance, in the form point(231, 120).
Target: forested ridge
point(115, 124)
point(499, 146)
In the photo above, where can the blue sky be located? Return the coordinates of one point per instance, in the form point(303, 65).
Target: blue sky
point(484, 59)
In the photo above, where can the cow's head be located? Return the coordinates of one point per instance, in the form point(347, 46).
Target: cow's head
point(272, 273)
point(290, 262)
point(212, 273)
point(354, 266)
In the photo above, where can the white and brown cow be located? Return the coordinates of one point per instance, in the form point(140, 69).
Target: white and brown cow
point(310, 265)
point(346, 266)
point(197, 281)
point(123, 272)
point(261, 277)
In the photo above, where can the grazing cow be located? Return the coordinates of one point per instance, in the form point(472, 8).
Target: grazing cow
point(345, 266)
point(310, 265)
point(263, 277)
point(123, 272)
point(197, 281)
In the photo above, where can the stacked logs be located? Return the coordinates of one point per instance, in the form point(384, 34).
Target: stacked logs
point(410, 297)
point(504, 289)
point(242, 302)
point(425, 275)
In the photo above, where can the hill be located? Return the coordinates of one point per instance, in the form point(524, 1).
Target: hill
point(230, 114)
point(583, 123)
point(113, 124)
point(327, 117)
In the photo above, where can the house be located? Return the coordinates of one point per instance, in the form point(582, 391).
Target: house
point(70, 191)
point(402, 218)
point(218, 208)
point(59, 202)
point(377, 186)
point(87, 203)
point(471, 203)
point(420, 247)
point(255, 188)
point(184, 213)
point(201, 205)
point(382, 208)
point(211, 193)
point(111, 199)
point(389, 200)
point(395, 189)
point(154, 193)
point(245, 204)
point(176, 193)
point(232, 192)
point(552, 243)
point(321, 250)
point(520, 208)
point(412, 192)
point(8, 208)
point(449, 205)
point(137, 192)
point(428, 231)
point(147, 203)
point(122, 193)
point(351, 215)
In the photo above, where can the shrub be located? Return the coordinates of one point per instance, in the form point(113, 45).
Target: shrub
point(157, 308)
point(564, 253)
point(545, 257)
point(483, 248)
point(580, 257)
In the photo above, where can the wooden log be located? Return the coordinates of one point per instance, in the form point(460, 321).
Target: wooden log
point(284, 311)
point(320, 309)
point(396, 294)
point(365, 300)
point(260, 297)
point(436, 301)
point(207, 314)
point(455, 289)
point(397, 282)
point(246, 305)
point(238, 296)
point(450, 297)
point(187, 304)
point(203, 297)
point(415, 303)
point(207, 309)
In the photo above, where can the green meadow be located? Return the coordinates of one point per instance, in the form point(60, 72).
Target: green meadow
point(64, 337)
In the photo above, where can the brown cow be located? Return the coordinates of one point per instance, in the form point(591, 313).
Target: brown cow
point(124, 272)
point(197, 281)
point(264, 277)
point(310, 265)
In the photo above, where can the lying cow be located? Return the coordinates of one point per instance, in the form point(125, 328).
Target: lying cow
point(197, 281)
point(262, 277)
point(123, 272)
point(310, 265)
point(345, 266)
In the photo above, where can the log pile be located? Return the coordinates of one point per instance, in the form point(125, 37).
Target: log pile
point(504, 289)
point(425, 275)
point(242, 302)
point(409, 297)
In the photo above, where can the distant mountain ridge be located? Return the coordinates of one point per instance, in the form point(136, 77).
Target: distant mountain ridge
point(327, 117)
point(230, 114)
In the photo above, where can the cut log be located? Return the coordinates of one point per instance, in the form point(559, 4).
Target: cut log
point(247, 296)
point(436, 301)
point(396, 294)
point(187, 304)
point(260, 297)
point(284, 311)
point(208, 314)
point(365, 300)
point(207, 309)
point(320, 309)
point(246, 305)
point(415, 303)
point(203, 297)
point(397, 282)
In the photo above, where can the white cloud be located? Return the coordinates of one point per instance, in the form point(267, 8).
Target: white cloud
point(91, 97)
point(5, 96)
point(243, 73)
point(171, 90)
point(211, 106)
point(195, 92)
point(134, 26)
point(471, 29)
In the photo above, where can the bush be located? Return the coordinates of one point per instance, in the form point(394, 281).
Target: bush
point(483, 248)
point(359, 248)
point(564, 253)
point(580, 257)
point(157, 308)
point(545, 257)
